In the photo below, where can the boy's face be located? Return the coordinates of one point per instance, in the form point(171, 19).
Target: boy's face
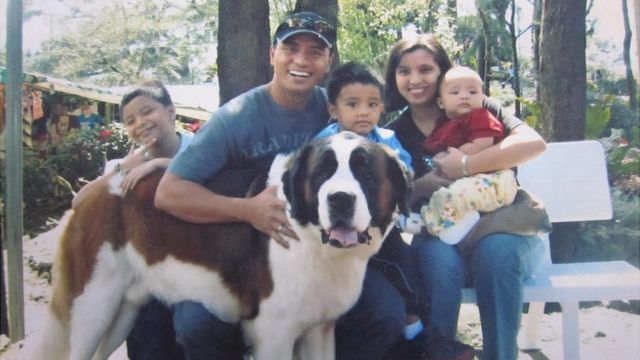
point(299, 63)
point(147, 121)
point(358, 108)
point(460, 95)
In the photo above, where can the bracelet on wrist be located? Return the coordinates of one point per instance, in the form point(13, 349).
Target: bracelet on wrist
point(465, 172)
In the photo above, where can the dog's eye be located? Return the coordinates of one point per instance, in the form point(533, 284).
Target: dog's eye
point(327, 167)
point(363, 169)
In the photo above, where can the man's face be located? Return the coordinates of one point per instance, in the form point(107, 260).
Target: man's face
point(300, 62)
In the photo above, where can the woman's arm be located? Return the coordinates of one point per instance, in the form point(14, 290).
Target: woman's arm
point(522, 144)
point(426, 185)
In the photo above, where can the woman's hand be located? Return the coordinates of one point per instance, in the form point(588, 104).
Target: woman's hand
point(426, 185)
point(450, 163)
point(267, 214)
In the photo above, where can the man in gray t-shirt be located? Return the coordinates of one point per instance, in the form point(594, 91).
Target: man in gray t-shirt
point(245, 134)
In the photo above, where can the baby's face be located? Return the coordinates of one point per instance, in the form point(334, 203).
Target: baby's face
point(460, 95)
point(358, 108)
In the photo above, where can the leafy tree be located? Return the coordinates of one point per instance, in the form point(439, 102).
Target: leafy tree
point(125, 41)
point(367, 30)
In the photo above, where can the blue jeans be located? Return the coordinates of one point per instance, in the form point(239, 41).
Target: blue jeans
point(496, 268)
point(366, 331)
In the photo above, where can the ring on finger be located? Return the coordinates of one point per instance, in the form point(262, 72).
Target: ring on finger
point(279, 228)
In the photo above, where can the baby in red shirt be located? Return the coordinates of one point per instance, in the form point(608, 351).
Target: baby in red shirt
point(452, 211)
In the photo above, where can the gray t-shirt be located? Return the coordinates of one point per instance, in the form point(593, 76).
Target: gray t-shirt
point(247, 133)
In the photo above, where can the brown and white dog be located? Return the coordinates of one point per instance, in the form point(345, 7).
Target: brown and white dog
point(343, 194)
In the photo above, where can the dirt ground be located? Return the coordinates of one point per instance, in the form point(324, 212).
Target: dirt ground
point(605, 333)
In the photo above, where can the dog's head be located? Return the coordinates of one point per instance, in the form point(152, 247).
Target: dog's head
point(344, 190)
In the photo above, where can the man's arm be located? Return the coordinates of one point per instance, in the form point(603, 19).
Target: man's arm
point(195, 203)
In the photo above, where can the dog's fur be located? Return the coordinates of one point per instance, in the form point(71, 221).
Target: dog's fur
point(342, 193)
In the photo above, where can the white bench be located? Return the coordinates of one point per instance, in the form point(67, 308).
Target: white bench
point(571, 178)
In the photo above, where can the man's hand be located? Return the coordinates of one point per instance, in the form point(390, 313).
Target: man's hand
point(267, 214)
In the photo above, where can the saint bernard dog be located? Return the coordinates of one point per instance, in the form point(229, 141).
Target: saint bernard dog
point(343, 194)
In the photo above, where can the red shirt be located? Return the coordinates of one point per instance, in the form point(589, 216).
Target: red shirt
point(455, 132)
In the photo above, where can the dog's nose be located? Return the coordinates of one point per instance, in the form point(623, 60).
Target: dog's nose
point(341, 208)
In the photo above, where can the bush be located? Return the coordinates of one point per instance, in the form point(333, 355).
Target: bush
point(616, 239)
point(52, 174)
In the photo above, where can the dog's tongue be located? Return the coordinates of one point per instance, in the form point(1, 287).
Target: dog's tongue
point(346, 237)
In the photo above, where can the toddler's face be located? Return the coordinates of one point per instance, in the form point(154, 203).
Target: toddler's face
point(358, 108)
point(460, 95)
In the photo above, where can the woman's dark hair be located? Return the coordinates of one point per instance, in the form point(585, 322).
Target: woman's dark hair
point(428, 42)
point(352, 73)
point(153, 89)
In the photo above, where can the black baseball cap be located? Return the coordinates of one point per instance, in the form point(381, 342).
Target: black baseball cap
point(306, 22)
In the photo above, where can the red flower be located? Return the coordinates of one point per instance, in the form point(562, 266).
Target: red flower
point(193, 127)
point(105, 134)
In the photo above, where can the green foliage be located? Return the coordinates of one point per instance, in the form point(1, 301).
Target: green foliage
point(623, 117)
point(125, 41)
point(598, 116)
point(624, 161)
point(368, 28)
point(532, 112)
point(617, 239)
point(52, 174)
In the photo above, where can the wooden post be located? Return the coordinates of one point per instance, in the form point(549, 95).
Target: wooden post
point(13, 176)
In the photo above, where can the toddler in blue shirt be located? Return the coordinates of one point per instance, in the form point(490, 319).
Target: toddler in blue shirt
point(355, 102)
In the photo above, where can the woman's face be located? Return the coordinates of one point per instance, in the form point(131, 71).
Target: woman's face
point(417, 77)
point(148, 121)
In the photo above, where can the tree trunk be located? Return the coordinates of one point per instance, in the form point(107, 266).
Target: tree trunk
point(452, 9)
point(563, 92)
point(4, 318)
point(484, 64)
point(481, 56)
point(631, 82)
point(243, 46)
point(535, 44)
point(563, 80)
point(514, 72)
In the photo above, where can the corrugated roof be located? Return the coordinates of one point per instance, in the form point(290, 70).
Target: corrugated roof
point(192, 101)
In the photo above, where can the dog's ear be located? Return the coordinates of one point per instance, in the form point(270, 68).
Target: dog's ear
point(294, 182)
point(401, 180)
